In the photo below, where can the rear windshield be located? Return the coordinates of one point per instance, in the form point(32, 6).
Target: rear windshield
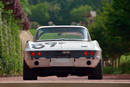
point(64, 33)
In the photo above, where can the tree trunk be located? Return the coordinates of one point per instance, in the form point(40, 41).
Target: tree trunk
point(113, 62)
point(118, 61)
point(103, 63)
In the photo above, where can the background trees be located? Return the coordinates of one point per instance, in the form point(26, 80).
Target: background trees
point(26, 6)
point(40, 13)
point(59, 11)
point(111, 29)
point(81, 13)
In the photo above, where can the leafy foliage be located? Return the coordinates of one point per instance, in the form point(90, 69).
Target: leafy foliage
point(10, 47)
point(17, 12)
point(81, 13)
point(41, 15)
point(59, 11)
point(25, 6)
point(111, 29)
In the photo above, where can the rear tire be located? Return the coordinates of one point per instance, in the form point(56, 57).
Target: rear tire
point(28, 74)
point(96, 73)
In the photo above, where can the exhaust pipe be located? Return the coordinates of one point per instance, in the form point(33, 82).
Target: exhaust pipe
point(88, 62)
point(36, 63)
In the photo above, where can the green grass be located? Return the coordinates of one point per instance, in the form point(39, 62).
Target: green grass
point(125, 59)
point(111, 70)
point(33, 31)
point(124, 67)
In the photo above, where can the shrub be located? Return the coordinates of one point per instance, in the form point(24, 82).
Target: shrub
point(10, 47)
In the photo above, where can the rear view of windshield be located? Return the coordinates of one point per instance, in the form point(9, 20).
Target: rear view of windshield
point(59, 33)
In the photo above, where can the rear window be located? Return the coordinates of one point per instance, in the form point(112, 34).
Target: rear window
point(64, 33)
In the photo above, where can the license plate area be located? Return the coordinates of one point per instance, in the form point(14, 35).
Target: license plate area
point(62, 62)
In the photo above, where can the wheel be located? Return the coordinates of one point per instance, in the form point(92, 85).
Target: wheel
point(28, 74)
point(96, 73)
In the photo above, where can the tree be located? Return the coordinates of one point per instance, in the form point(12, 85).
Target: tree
point(119, 23)
point(40, 13)
point(111, 29)
point(81, 14)
point(26, 6)
point(53, 12)
point(62, 14)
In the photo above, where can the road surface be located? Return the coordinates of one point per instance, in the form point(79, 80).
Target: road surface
point(71, 81)
point(106, 78)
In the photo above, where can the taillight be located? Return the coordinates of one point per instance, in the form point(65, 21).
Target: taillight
point(91, 53)
point(85, 53)
point(33, 53)
point(39, 53)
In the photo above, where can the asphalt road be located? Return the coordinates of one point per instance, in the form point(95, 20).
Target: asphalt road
point(71, 81)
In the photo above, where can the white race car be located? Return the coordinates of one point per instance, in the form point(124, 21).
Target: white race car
point(62, 51)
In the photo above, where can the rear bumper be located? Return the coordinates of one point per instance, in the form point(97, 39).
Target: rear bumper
point(72, 62)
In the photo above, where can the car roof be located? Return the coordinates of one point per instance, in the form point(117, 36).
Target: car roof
point(61, 26)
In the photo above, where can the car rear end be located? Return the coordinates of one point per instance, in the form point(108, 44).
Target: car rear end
point(62, 63)
point(70, 51)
